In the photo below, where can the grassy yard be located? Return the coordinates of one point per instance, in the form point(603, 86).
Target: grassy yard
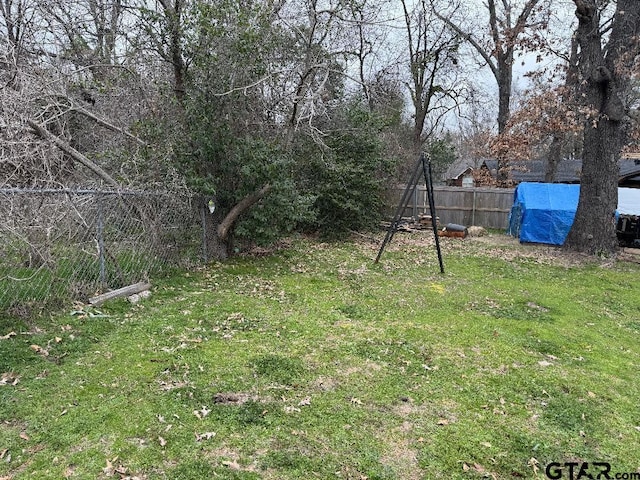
point(313, 362)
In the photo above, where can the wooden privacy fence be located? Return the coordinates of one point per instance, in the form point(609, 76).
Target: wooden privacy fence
point(485, 207)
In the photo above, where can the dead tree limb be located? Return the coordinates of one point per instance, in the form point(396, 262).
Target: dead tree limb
point(121, 292)
point(110, 126)
point(72, 152)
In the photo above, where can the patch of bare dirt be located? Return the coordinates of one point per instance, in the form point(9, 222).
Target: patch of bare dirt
point(400, 455)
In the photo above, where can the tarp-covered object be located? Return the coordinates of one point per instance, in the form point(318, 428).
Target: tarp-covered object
point(543, 212)
point(629, 201)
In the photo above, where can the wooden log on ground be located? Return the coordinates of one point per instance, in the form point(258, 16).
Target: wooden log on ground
point(120, 292)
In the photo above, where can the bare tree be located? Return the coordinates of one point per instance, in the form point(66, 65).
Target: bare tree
point(18, 23)
point(433, 63)
point(511, 26)
point(86, 33)
point(162, 30)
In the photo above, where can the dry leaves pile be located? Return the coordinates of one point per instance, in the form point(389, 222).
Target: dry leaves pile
point(495, 245)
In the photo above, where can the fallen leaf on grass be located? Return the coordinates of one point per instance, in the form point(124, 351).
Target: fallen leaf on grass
point(111, 469)
point(24, 436)
point(304, 402)
point(544, 363)
point(202, 413)
point(108, 470)
point(443, 421)
point(162, 441)
point(9, 378)
point(8, 336)
point(476, 466)
point(38, 349)
point(205, 436)
point(69, 471)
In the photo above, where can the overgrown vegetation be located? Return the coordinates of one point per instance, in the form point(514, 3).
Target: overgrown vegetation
point(313, 362)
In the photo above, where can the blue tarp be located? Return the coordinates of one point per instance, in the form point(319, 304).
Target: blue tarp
point(543, 212)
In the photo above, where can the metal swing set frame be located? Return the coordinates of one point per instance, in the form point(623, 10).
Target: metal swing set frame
point(423, 167)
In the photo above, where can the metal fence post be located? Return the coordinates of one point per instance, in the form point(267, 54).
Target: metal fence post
point(100, 238)
point(203, 217)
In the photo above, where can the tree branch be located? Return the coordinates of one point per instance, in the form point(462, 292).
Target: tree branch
point(43, 133)
point(474, 43)
point(106, 124)
point(242, 206)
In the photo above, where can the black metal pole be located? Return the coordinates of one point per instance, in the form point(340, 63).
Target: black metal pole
point(402, 205)
point(428, 178)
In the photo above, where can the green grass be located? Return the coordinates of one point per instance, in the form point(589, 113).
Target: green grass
point(75, 274)
point(314, 362)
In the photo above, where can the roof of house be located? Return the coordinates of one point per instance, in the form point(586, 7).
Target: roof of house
point(460, 167)
point(630, 169)
point(466, 171)
point(568, 170)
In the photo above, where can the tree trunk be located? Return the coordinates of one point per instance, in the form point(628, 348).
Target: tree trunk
point(505, 82)
point(219, 227)
point(593, 229)
point(605, 80)
point(72, 152)
point(553, 159)
point(173, 12)
point(215, 247)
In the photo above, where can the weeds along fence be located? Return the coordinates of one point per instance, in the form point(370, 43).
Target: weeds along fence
point(71, 244)
point(486, 207)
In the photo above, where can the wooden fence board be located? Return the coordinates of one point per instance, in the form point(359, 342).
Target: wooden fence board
point(481, 206)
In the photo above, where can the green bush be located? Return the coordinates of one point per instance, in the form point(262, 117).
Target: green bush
point(348, 174)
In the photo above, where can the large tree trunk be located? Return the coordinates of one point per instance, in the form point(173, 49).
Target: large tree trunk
point(593, 229)
point(605, 79)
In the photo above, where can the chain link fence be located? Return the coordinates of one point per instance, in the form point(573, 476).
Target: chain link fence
point(59, 245)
